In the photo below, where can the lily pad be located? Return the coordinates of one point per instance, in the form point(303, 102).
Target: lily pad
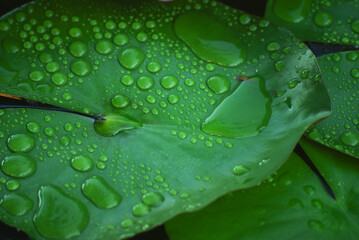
point(340, 130)
point(167, 96)
point(291, 204)
point(319, 21)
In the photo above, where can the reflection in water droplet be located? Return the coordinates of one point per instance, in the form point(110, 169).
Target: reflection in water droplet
point(209, 39)
point(59, 215)
point(101, 193)
point(152, 199)
point(244, 113)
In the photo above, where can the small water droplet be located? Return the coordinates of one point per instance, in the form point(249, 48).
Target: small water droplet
point(153, 199)
point(80, 67)
point(239, 170)
point(323, 19)
point(81, 163)
point(140, 209)
point(169, 82)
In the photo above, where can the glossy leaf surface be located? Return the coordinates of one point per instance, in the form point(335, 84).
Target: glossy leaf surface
point(157, 85)
point(291, 204)
point(333, 21)
point(340, 130)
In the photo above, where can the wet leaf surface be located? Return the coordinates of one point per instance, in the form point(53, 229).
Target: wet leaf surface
point(167, 144)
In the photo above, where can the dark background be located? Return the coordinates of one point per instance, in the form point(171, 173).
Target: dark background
point(255, 7)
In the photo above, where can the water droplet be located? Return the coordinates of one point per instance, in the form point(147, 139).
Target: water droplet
point(154, 67)
point(315, 224)
point(52, 67)
point(355, 26)
point(152, 199)
point(219, 84)
point(309, 190)
point(18, 165)
point(59, 79)
point(114, 124)
point(131, 57)
point(16, 204)
point(80, 67)
point(12, 185)
point(75, 32)
point(209, 39)
point(120, 39)
point(316, 203)
point(104, 47)
point(295, 203)
point(294, 12)
point(173, 99)
point(37, 76)
point(244, 113)
point(78, 49)
point(169, 82)
point(120, 101)
point(127, 223)
point(127, 80)
point(350, 138)
point(323, 19)
point(140, 209)
point(100, 193)
point(59, 215)
point(81, 163)
point(239, 170)
point(6, 73)
point(33, 127)
point(273, 46)
point(21, 142)
point(145, 82)
point(11, 45)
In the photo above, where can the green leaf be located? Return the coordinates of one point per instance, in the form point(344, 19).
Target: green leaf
point(340, 130)
point(291, 204)
point(172, 104)
point(319, 21)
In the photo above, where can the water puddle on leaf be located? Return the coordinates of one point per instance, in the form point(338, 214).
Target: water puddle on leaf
point(209, 39)
point(243, 113)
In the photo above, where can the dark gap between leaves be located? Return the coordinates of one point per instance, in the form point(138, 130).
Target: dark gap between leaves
point(320, 49)
point(7, 101)
point(301, 153)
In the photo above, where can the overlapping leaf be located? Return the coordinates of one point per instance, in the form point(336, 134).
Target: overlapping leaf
point(340, 130)
point(134, 63)
point(333, 21)
point(291, 204)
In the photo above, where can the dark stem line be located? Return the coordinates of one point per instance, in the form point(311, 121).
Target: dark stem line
point(320, 49)
point(15, 102)
point(301, 153)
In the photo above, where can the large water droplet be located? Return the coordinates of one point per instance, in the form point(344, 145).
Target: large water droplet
point(18, 165)
point(101, 193)
point(120, 101)
point(21, 142)
point(131, 57)
point(219, 84)
point(78, 49)
point(140, 209)
point(244, 113)
point(80, 67)
point(323, 19)
point(115, 123)
point(16, 204)
point(350, 138)
point(209, 39)
point(104, 47)
point(294, 12)
point(6, 73)
point(152, 199)
point(81, 163)
point(59, 215)
point(169, 82)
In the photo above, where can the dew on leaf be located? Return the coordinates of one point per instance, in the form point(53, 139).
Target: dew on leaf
point(21, 143)
point(145, 82)
point(239, 170)
point(12, 185)
point(153, 199)
point(209, 39)
point(100, 193)
point(80, 67)
point(169, 82)
point(120, 39)
point(81, 163)
point(78, 49)
point(59, 79)
point(18, 165)
point(16, 204)
point(127, 80)
point(114, 124)
point(59, 215)
point(294, 12)
point(140, 209)
point(218, 84)
point(131, 57)
point(37, 76)
point(120, 101)
point(104, 47)
point(323, 19)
